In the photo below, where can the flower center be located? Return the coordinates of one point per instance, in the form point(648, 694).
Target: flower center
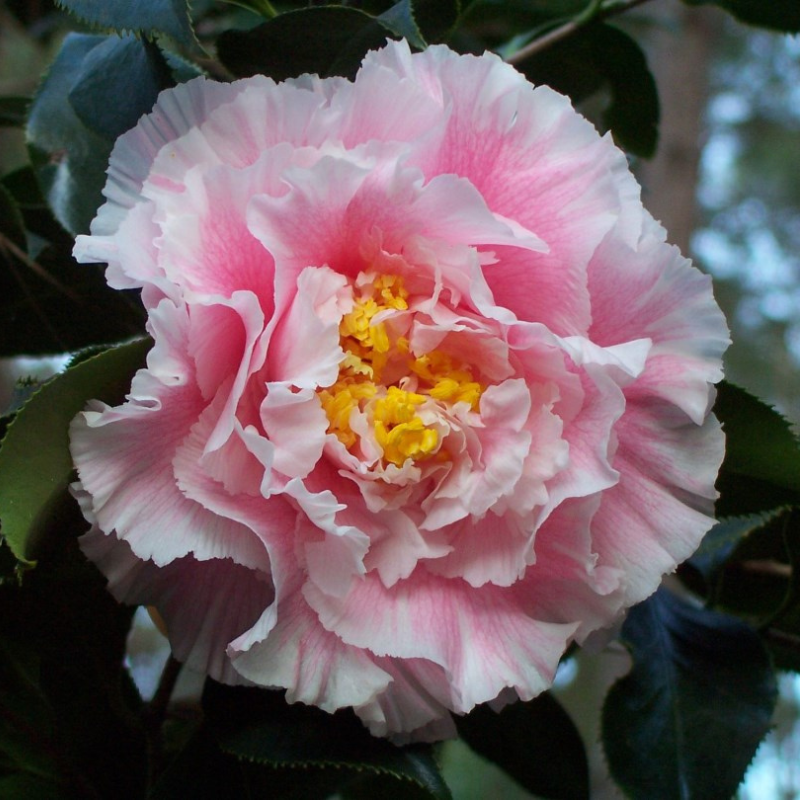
point(398, 413)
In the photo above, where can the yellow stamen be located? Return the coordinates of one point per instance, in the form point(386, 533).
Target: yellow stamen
point(368, 347)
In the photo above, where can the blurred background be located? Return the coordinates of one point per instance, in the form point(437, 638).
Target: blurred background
point(725, 183)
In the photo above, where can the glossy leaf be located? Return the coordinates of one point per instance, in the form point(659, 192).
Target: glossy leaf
point(761, 470)
point(688, 718)
point(70, 159)
point(422, 21)
point(118, 81)
point(97, 88)
point(13, 110)
point(48, 302)
point(149, 17)
point(257, 725)
point(12, 226)
point(35, 463)
point(721, 542)
point(69, 711)
point(325, 40)
point(603, 56)
point(780, 15)
point(559, 769)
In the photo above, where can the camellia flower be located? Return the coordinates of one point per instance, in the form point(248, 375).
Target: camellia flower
point(429, 393)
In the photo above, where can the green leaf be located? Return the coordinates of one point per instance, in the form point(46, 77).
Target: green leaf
point(70, 159)
point(761, 470)
point(48, 302)
point(258, 725)
point(12, 111)
point(422, 21)
point(780, 15)
point(688, 718)
point(68, 710)
point(560, 769)
point(148, 17)
point(96, 89)
point(12, 226)
point(118, 81)
point(35, 463)
point(326, 40)
point(720, 544)
point(598, 56)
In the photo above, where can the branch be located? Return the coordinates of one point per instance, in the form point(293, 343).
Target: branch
point(594, 11)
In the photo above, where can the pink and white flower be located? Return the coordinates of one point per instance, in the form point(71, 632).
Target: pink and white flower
point(429, 393)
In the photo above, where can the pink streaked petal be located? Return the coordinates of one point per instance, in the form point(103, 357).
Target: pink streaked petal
point(567, 582)
point(382, 106)
point(312, 664)
point(481, 637)
point(266, 114)
point(201, 225)
point(252, 354)
point(669, 302)
point(395, 554)
point(137, 441)
point(205, 604)
point(308, 225)
point(334, 551)
point(233, 465)
point(490, 550)
point(645, 526)
point(131, 252)
point(177, 111)
point(499, 449)
point(414, 706)
point(295, 423)
point(396, 544)
point(534, 161)
point(305, 350)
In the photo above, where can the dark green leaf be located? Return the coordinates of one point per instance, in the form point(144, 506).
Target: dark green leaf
point(13, 110)
point(399, 19)
point(22, 185)
point(559, 770)
point(12, 226)
point(603, 56)
point(97, 88)
point(118, 81)
point(70, 701)
point(720, 543)
point(780, 15)
point(70, 159)
point(35, 463)
point(761, 470)
point(140, 16)
point(687, 719)
point(27, 724)
point(422, 21)
point(634, 111)
point(48, 303)
point(259, 726)
point(325, 41)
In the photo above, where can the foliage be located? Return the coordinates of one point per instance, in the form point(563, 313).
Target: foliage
point(684, 722)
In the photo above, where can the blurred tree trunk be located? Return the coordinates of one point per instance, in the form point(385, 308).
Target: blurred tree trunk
point(680, 54)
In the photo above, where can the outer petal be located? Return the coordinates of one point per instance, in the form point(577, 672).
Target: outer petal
point(205, 604)
point(484, 641)
point(124, 459)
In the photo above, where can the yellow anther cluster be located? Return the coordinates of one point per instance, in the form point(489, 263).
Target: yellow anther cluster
point(447, 381)
point(367, 346)
point(365, 343)
point(339, 400)
point(398, 429)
